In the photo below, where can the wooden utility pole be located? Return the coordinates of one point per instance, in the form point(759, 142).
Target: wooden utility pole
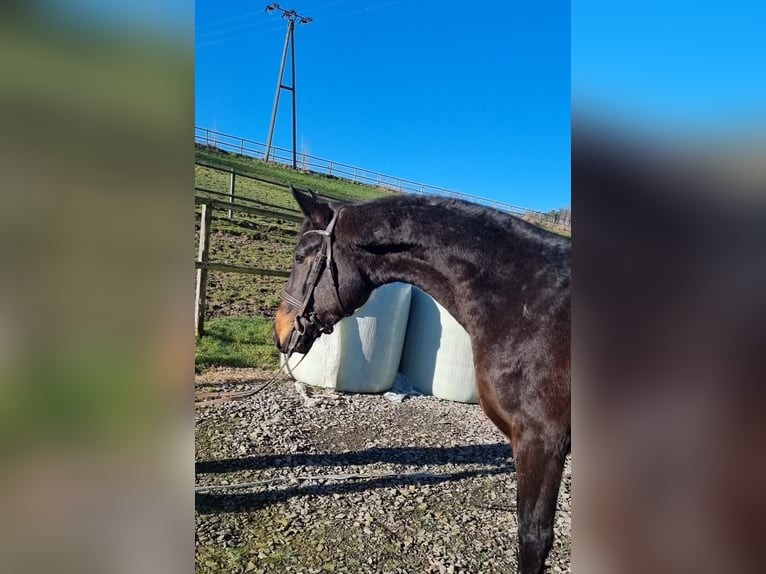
point(291, 16)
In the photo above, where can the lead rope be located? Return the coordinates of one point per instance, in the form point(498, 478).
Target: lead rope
point(223, 397)
point(287, 364)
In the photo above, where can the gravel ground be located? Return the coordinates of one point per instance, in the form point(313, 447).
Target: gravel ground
point(460, 518)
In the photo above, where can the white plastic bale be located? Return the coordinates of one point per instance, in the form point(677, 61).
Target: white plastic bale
point(437, 356)
point(362, 354)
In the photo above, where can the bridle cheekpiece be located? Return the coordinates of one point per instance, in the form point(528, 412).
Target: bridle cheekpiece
point(322, 262)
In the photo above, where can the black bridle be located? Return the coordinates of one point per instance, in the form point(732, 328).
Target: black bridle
point(322, 262)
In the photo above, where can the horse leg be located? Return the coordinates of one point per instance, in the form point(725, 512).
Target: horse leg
point(539, 459)
point(539, 466)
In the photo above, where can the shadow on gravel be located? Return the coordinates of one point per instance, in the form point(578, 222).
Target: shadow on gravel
point(493, 455)
point(488, 454)
point(207, 503)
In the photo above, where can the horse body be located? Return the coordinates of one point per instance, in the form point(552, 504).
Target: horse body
point(506, 282)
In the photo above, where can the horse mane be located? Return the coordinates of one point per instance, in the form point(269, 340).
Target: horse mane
point(486, 226)
point(467, 208)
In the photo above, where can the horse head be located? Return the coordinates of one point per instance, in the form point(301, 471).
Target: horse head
point(324, 285)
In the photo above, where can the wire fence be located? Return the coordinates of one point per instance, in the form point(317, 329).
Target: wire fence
point(314, 164)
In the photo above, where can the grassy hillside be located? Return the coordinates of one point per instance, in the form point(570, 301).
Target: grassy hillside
point(325, 185)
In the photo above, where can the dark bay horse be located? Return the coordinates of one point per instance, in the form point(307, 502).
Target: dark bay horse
point(506, 282)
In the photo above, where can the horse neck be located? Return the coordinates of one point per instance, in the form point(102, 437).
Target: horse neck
point(450, 254)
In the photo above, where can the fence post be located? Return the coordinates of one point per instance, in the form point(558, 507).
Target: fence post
point(355, 175)
point(199, 296)
point(329, 169)
point(241, 146)
point(207, 137)
point(231, 189)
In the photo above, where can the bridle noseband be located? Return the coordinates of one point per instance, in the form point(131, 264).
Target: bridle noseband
point(322, 262)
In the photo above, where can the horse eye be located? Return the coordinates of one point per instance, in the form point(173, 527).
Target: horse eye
point(299, 258)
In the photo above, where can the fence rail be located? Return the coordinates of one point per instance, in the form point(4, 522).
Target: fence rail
point(306, 162)
point(202, 264)
point(230, 206)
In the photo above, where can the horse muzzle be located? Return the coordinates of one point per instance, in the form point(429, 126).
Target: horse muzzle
point(296, 342)
point(284, 325)
point(296, 334)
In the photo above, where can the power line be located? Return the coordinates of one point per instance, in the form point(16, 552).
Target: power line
point(365, 10)
point(291, 16)
point(334, 3)
point(228, 20)
point(205, 43)
point(241, 31)
point(246, 25)
point(247, 15)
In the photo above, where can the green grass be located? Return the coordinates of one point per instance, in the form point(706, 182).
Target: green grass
point(237, 342)
point(215, 180)
point(323, 184)
point(559, 230)
point(280, 556)
point(221, 559)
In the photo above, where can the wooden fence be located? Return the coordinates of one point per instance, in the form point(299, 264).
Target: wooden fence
point(232, 203)
point(306, 162)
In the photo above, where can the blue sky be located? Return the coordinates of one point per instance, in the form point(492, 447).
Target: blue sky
point(471, 97)
point(683, 67)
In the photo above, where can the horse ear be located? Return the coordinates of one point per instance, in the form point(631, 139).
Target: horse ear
point(315, 210)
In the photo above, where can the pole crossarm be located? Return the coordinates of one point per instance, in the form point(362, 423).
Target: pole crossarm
point(289, 14)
